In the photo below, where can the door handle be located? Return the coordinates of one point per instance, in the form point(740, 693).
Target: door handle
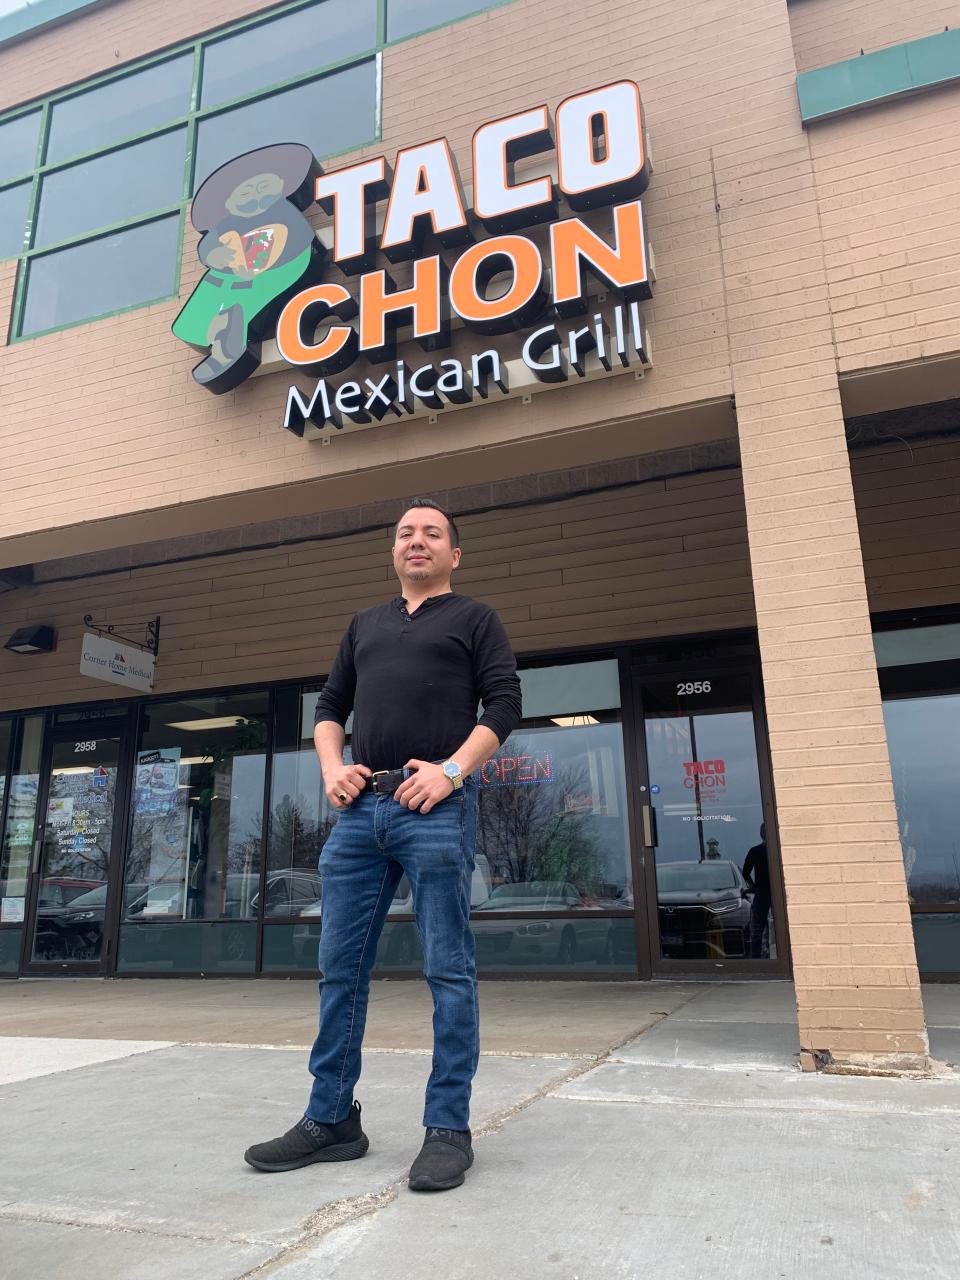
point(37, 849)
point(649, 819)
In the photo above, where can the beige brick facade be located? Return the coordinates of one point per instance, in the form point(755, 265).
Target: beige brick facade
point(799, 272)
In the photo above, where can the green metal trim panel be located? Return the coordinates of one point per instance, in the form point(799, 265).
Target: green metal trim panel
point(39, 13)
point(878, 77)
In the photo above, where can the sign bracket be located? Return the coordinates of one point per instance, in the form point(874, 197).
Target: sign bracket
point(150, 642)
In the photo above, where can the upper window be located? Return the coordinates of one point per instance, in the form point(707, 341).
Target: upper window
point(124, 108)
point(18, 145)
point(407, 17)
point(286, 47)
point(95, 181)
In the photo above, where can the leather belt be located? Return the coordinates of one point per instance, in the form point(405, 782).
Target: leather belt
point(385, 782)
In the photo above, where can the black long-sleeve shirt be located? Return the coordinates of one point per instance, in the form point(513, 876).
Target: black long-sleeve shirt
point(413, 681)
point(756, 868)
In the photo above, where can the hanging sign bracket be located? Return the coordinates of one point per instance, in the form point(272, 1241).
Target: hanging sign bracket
point(150, 643)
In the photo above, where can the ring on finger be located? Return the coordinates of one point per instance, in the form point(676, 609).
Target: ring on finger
point(342, 797)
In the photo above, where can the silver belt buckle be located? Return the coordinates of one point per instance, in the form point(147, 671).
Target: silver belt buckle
point(381, 773)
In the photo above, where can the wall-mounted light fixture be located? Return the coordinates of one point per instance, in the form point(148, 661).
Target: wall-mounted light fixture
point(32, 640)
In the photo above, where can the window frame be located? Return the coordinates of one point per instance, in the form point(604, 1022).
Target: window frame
point(191, 121)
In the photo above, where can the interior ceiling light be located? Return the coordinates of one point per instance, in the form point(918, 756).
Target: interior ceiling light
point(214, 722)
point(573, 722)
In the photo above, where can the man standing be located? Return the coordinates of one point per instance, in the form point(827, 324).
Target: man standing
point(412, 672)
point(756, 872)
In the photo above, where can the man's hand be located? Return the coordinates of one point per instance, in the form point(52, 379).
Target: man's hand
point(344, 780)
point(428, 786)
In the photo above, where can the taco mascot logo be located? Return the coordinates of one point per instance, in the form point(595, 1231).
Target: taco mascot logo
point(259, 250)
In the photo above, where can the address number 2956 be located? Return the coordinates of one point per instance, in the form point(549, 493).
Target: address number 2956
point(686, 687)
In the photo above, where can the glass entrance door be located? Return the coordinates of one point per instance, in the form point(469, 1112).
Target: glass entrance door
point(75, 852)
point(714, 898)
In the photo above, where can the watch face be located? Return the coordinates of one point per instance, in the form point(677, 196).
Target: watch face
point(451, 770)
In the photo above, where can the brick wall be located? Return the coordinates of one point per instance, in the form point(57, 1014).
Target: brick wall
point(153, 440)
point(908, 509)
point(660, 558)
point(852, 945)
point(825, 31)
point(104, 38)
point(663, 558)
point(888, 184)
point(103, 419)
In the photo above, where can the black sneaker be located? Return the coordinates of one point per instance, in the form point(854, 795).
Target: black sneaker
point(309, 1142)
point(444, 1159)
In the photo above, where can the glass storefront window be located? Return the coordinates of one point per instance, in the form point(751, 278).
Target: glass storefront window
point(553, 833)
point(20, 826)
point(712, 872)
point(937, 937)
point(197, 812)
point(911, 646)
point(21, 820)
point(77, 845)
point(923, 735)
point(553, 818)
point(300, 818)
point(198, 946)
point(6, 736)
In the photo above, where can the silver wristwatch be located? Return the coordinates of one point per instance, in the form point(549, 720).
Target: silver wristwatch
point(454, 773)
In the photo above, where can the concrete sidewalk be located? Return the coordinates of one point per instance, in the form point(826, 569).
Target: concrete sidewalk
point(623, 1129)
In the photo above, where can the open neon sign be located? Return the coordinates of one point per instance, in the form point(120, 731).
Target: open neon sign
point(514, 771)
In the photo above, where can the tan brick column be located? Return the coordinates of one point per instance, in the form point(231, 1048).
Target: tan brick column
point(853, 955)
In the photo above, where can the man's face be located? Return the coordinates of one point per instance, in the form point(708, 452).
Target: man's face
point(421, 550)
point(255, 195)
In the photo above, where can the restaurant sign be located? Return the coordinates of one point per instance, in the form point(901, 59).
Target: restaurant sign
point(467, 266)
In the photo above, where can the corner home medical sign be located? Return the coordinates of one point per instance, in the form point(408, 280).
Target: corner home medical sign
point(466, 270)
point(102, 658)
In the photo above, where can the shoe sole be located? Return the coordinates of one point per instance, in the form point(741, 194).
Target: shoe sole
point(325, 1155)
point(428, 1184)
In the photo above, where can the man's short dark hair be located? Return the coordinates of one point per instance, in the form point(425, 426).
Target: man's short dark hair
point(418, 503)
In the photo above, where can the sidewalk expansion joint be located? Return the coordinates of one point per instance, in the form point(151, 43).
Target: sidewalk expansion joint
point(326, 1220)
point(548, 1055)
point(752, 1104)
point(341, 1213)
point(119, 1228)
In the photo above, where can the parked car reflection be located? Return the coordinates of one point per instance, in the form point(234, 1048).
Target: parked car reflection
point(556, 941)
point(51, 942)
point(399, 945)
point(70, 925)
point(704, 910)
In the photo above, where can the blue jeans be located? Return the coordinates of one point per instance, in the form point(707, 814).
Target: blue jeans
point(374, 842)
